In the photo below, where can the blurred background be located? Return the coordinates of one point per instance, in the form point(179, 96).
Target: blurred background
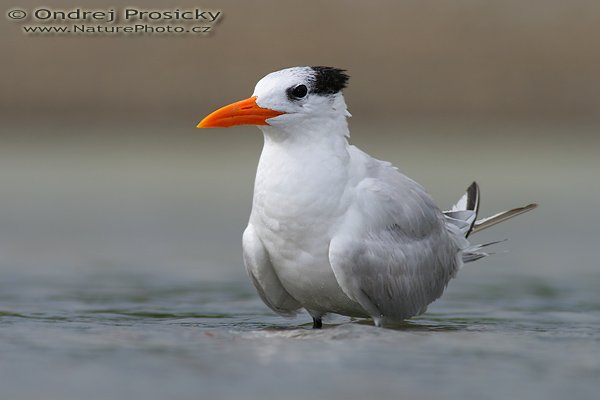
point(120, 223)
point(102, 169)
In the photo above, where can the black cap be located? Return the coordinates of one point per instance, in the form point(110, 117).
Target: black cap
point(329, 80)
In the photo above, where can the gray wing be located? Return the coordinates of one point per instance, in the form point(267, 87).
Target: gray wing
point(394, 255)
point(263, 276)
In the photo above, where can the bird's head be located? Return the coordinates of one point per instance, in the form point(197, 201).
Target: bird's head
point(299, 98)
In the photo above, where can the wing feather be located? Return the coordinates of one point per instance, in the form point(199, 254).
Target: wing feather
point(394, 254)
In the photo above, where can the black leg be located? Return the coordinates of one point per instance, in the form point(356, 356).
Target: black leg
point(317, 323)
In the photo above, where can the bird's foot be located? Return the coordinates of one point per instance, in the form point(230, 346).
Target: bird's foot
point(317, 323)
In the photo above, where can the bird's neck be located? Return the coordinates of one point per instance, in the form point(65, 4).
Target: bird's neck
point(313, 143)
point(323, 131)
point(303, 174)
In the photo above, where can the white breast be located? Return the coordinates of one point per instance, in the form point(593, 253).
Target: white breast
point(300, 198)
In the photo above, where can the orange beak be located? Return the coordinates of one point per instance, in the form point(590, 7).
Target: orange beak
point(245, 112)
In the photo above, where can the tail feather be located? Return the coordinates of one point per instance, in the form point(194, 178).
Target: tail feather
point(464, 213)
point(473, 253)
point(485, 223)
point(469, 200)
point(463, 218)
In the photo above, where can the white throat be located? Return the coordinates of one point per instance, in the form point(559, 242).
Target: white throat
point(311, 132)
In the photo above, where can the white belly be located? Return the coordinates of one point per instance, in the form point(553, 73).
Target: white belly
point(305, 272)
point(297, 242)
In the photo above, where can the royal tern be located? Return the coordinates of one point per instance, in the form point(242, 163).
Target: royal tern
point(332, 229)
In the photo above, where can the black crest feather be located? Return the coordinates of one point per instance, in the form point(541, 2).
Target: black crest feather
point(329, 80)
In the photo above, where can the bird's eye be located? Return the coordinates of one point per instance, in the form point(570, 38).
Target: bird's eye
point(298, 92)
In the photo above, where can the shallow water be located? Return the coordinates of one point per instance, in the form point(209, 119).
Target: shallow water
point(121, 274)
point(145, 336)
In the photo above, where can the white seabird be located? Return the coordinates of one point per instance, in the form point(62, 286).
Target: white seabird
point(332, 229)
